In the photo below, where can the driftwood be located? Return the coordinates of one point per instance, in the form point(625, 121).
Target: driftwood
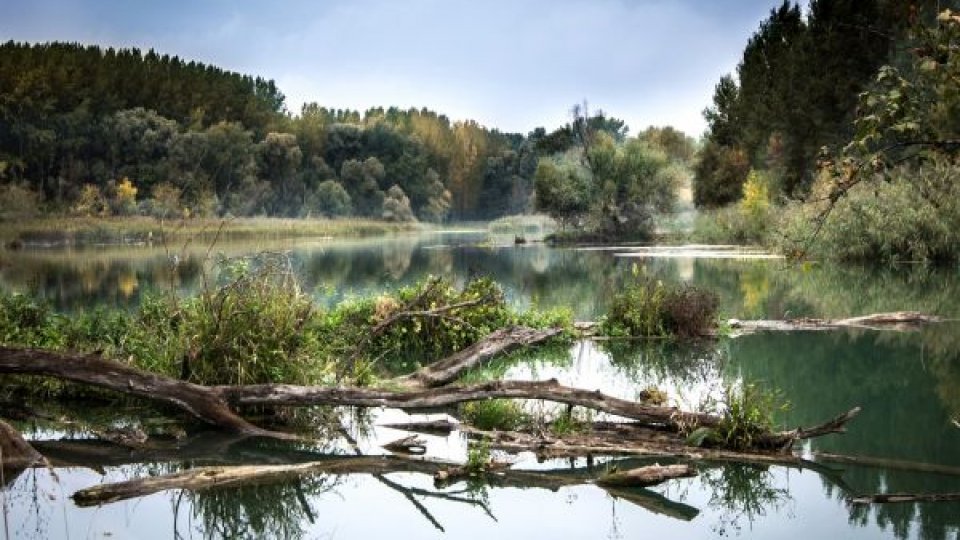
point(898, 320)
point(407, 445)
point(904, 497)
point(650, 475)
point(886, 463)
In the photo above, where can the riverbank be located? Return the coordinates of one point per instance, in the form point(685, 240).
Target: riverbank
point(70, 231)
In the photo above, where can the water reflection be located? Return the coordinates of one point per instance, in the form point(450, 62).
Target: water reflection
point(908, 386)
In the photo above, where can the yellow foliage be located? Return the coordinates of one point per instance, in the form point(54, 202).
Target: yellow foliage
point(126, 191)
point(756, 196)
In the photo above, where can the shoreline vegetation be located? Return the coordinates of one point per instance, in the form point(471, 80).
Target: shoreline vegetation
point(131, 230)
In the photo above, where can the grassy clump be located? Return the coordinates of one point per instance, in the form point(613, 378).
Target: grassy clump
point(748, 413)
point(494, 414)
point(649, 308)
point(257, 327)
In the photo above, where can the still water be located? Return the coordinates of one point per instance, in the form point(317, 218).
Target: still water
point(907, 383)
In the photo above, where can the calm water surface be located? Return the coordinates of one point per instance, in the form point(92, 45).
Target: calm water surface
point(907, 383)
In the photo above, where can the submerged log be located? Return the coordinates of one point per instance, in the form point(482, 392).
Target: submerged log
point(650, 475)
point(904, 497)
point(15, 452)
point(897, 320)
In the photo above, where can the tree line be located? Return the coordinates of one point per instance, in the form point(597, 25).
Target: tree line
point(92, 131)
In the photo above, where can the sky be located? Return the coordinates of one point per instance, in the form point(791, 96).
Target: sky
point(510, 64)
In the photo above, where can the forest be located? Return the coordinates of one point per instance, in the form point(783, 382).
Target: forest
point(99, 132)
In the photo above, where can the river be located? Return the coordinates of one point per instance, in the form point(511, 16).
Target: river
point(907, 383)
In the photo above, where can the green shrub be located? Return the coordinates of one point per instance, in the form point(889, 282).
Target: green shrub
point(29, 322)
point(258, 327)
point(493, 414)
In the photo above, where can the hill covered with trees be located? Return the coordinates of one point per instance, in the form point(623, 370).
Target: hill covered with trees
point(92, 131)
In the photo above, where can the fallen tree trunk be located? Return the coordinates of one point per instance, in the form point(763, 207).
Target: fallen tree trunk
point(550, 390)
point(15, 452)
point(905, 497)
point(650, 475)
point(212, 404)
point(897, 320)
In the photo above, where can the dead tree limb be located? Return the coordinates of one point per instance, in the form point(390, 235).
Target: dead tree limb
point(785, 440)
point(499, 342)
point(897, 320)
point(650, 475)
point(94, 370)
point(887, 463)
point(904, 498)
